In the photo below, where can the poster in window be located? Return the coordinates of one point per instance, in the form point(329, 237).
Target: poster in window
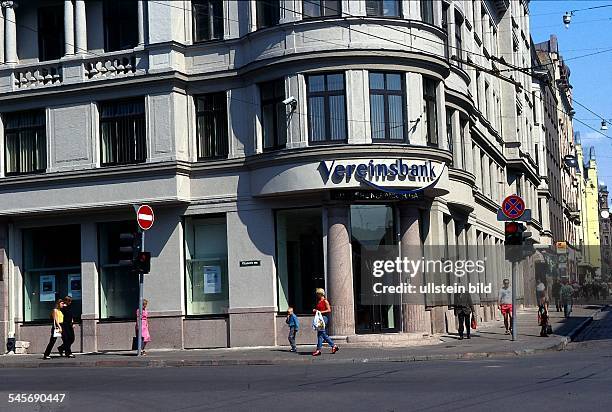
point(47, 288)
point(74, 286)
point(212, 279)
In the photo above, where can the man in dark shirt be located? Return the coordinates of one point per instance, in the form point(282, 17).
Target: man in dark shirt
point(463, 310)
point(67, 329)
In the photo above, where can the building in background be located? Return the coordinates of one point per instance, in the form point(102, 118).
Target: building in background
point(590, 264)
point(605, 233)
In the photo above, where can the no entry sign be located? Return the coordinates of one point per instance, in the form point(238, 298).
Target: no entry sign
point(513, 207)
point(145, 217)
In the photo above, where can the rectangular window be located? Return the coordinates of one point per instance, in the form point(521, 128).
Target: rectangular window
point(462, 133)
point(445, 8)
point(326, 108)
point(458, 38)
point(321, 8)
point(120, 25)
point(449, 133)
point(52, 270)
point(274, 115)
point(427, 11)
point(207, 19)
point(51, 32)
point(430, 110)
point(123, 132)
point(211, 126)
point(207, 272)
point(118, 286)
point(387, 107)
point(386, 8)
point(25, 142)
point(299, 252)
point(268, 13)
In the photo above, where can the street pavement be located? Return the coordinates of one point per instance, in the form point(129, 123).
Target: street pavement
point(576, 379)
point(489, 340)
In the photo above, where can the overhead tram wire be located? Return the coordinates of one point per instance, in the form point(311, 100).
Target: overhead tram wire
point(337, 44)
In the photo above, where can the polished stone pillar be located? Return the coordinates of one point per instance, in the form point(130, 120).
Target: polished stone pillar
point(414, 318)
point(68, 28)
point(141, 23)
point(4, 287)
point(339, 272)
point(81, 27)
point(10, 31)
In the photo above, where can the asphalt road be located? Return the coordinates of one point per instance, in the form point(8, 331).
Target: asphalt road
point(578, 379)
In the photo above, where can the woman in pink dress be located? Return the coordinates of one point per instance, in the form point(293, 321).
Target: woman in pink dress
point(146, 337)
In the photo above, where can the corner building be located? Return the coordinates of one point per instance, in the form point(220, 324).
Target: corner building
point(227, 117)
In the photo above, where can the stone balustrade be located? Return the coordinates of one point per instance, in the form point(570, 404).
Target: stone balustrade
point(112, 66)
point(38, 76)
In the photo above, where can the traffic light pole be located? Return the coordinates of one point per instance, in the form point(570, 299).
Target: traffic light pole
point(140, 300)
point(513, 324)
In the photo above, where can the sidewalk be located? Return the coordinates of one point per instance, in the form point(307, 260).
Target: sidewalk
point(487, 341)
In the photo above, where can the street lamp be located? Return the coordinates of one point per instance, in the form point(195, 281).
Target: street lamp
point(604, 125)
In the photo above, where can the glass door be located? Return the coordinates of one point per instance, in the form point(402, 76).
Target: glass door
point(372, 226)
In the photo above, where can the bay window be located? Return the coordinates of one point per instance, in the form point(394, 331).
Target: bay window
point(211, 126)
point(207, 20)
point(430, 111)
point(326, 108)
point(122, 132)
point(321, 8)
point(268, 13)
point(273, 113)
point(387, 107)
point(386, 8)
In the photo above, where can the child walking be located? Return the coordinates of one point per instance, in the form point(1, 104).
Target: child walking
point(294, 326)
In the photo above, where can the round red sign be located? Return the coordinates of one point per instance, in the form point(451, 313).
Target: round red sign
point(145, 217)
point(513, 207)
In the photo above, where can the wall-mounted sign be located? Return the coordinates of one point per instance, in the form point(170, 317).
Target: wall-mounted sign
point(387, 175)
point(353, 195)
point(249, 263)
point(47, 288)
point(212, 279)
point(74, 286)
point(561, 247)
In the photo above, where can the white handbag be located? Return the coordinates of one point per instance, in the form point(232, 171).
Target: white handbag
point(57, 333)
point(318, 323)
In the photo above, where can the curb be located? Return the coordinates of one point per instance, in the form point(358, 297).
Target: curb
point(178, 363)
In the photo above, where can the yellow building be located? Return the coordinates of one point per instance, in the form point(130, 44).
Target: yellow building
point(590, 265)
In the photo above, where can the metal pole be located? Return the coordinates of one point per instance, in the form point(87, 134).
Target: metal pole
point(513, 324)
point(140, 299)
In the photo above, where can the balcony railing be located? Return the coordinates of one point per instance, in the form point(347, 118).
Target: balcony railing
point(75, 70)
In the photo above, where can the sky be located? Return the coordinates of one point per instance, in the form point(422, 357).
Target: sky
point(590, 31)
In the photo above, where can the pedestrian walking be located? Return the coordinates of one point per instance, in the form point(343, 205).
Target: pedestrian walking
point(67, 329)
point(504, 302)
point(567, 292)
point(543, 315)
point(146, 337)
point(556, 294)
point(56, 328)
point(324, 308)
point(294, 326)
point(463, 310)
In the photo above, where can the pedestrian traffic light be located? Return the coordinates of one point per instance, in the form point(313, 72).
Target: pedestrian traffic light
point(142, 264)
point(514, 233)
point(129, 248)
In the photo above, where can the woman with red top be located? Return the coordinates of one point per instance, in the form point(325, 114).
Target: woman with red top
point(325, 309)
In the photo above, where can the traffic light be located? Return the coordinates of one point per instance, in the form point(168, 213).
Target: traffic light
point(142, 263)
point(514, 233)
point(129, 249)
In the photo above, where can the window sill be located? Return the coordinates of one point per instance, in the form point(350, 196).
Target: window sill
point(35, 172)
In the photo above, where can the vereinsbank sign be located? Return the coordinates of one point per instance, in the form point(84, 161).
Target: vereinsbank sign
point(389, 175)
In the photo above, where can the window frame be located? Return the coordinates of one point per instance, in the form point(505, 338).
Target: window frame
point(386, 93)
point(102, 120)
point(43, 35)
point(322, 5)
point(431, 100)
point(326, 94)
point(107, 6)
point(380, 11)
point(210, 20)
point(271, 6)
point(278, 106)
point(18, 131)
point(225, 129)
point(427, 5)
